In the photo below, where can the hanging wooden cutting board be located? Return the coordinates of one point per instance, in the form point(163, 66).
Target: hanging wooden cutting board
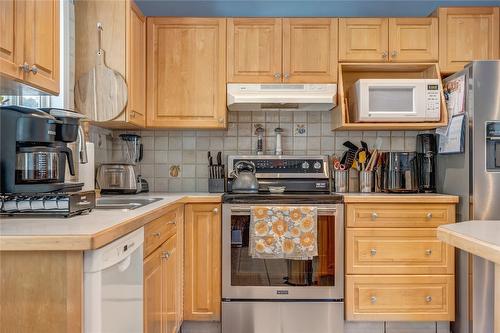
point(101, 94)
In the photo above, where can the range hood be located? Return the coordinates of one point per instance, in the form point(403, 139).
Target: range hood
point(291, 96)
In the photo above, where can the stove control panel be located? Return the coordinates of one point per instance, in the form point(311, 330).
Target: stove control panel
point(286, 167)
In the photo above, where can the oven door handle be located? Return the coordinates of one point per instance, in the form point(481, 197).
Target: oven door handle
point(246, 211)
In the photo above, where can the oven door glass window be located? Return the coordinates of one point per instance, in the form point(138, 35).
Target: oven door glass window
point(246, 271)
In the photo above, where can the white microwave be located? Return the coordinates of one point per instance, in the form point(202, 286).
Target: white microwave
point(395, 100)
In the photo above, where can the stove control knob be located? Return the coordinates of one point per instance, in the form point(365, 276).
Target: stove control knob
point(317, 165)
point(305, 165)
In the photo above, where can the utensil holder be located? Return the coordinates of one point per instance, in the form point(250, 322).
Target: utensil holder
point(341, 181)
point(216, 185)
point(353, 180)
point(366, 181)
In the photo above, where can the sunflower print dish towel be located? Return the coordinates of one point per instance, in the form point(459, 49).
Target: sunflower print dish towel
point(283, 232)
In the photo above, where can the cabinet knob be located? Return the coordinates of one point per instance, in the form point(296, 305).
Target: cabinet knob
point(132, 114)
point(286, 76)
point(220, 120)
point(373, 252)
point(216, 210)
point(172, 222)
point(429, 216)
point(374, 216)
point(277, 75)
point(373, 299)
point(428, 299)
point(156, 234)
point(165, 255)
point(384, 55)
point(394, 54)
point(428, 252)
point(34, 69)
point(25, 67)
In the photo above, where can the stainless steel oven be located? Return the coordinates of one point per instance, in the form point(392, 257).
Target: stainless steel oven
point(246, 278)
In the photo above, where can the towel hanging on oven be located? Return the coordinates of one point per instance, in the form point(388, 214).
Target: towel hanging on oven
point(288, 232)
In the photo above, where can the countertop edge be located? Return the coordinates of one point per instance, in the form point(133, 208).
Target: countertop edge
point(469, 244)
point(99, 239)
point(399, 198)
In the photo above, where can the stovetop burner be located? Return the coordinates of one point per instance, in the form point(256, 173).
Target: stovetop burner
point(283, 198)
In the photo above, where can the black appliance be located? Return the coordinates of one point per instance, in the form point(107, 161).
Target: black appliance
point(53, 204)
point(426, 162)
point(33, 151)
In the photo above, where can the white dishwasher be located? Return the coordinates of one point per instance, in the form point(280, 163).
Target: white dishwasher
point(113, 286)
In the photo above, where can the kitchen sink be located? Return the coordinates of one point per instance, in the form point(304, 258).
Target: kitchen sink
point(123, 203)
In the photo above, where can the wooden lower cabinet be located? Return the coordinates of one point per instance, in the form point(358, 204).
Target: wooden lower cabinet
point(162, 278)
point(396, 268)
point(400, 297)
point(202, 262)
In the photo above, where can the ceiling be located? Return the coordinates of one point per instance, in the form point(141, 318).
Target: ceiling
point(335, 8)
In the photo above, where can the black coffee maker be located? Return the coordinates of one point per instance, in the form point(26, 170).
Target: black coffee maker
point(426, 162)
point(33, 151)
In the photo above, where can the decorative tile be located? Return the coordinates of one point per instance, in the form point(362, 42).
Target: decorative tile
point(300, 129)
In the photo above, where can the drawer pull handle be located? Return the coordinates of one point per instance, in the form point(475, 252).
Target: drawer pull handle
point(171, 222)
point(428, 252)
point(165, 255)
point(429, 216)
point(428, 299)
point(156, 234)
point(373, 299)
point(373, 252)
point(374, 216)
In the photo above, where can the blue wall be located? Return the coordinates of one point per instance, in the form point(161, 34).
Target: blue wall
point(340, 8)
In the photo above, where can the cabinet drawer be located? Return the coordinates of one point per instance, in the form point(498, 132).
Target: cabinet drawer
point(401, 297)
point(397, 251)
point(158, 231)
point(399, 215)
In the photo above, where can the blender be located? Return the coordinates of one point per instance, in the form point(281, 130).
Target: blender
point(132, 148)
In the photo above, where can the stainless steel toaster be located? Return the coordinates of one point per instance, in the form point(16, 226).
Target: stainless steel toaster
point(120, 178)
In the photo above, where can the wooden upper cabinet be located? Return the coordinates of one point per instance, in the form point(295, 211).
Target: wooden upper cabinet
point(254, 49)
point(413, 39)
point(136, 67)
point(467, 34)
point(310, 50)
point(186, 66)
point(363, 39)
point(42, 44)
point(202, 262)
point(11, 42)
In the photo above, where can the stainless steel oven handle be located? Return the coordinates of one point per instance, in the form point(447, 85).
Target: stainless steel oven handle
point(246, 211)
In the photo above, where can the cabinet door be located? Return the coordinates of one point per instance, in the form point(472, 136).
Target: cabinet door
point(202, 262)
point(153, 293)
point(11, 42)
point(254, 50)
point(363, 39)
point(467, 34)
point(169, 279)
point(186, 72)
point(413, 39)
point(310, 50)
point(136, 71)
point(41, 44)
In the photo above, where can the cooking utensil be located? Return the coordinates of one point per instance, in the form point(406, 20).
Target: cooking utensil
point(101, 93)
point(350, 145)
point(244, 179)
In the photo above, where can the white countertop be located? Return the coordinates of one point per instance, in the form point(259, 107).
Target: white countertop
point(481, 238)
point(81, 228)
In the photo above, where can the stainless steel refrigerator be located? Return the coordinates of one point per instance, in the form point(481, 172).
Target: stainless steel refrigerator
point(474, 175)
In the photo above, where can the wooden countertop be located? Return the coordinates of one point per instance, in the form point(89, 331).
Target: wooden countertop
point(85, 232)
point(481, 238)
point(399, 198)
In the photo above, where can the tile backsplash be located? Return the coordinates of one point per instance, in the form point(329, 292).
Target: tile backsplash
point(305, 133)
